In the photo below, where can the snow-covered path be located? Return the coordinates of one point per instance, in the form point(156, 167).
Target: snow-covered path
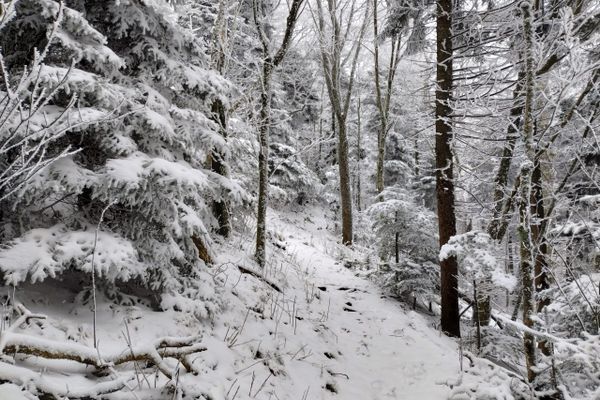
point(388, 352)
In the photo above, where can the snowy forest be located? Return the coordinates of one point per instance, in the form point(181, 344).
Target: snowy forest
point(299, 199)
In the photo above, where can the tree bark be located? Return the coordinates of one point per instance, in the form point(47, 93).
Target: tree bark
point(526, 205)
point(263, 164)
point(527, 256)
point(541, 245)
point(345, 191)
point(450, 321)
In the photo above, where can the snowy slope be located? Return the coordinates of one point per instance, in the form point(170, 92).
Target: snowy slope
point(348, 341)
point(326, 334)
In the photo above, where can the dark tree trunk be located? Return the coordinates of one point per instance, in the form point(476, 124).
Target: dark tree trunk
point(358, 158)
point(345, 190)
point(263, 164)
point(444, 167)
point(218, 165)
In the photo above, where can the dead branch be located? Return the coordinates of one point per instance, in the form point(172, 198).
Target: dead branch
point(12, 343)
point(154, 354)
point(255, 274)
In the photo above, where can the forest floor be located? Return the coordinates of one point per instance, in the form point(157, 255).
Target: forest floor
point(307, 328)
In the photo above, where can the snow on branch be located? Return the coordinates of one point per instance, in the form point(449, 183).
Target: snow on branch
point(153, 354)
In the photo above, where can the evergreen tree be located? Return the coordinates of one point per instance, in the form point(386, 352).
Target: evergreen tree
point(144, 90)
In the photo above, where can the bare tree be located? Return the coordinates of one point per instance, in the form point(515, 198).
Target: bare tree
point(270, 61)
point(335, 23)
point(383, 96)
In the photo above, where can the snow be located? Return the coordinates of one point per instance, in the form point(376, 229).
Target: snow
point(386, 351)
point(329, 333)
point(42, 253)
point(9, 391)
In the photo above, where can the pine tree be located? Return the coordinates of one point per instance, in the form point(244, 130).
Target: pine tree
point(143, 87)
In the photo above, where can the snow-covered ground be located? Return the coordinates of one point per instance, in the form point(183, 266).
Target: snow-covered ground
point(326, 333)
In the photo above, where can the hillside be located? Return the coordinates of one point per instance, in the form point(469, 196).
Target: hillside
point(329, 334)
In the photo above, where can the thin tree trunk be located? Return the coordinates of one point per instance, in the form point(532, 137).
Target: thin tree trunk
point(216, 160)
point(476, 314)
point(510, 267)
point(539, 240)
point(416, 158)
point(397, 241)
point(263, 165)
point(345, 191)
point(218, 165)
point(527, 256)
point(525, 200)
point(379, 182)
point(358, 157)
point(450, 321)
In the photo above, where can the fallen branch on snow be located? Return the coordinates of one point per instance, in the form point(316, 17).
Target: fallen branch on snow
point(255, 274)
point(14, 343)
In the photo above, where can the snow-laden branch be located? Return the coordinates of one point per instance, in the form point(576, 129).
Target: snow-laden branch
point(153, 354)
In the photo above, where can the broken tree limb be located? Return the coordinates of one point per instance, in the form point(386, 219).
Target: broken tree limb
point(257, 275)
point(18, 343)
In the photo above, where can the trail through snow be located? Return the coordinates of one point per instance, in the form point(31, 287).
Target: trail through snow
point(387, 351)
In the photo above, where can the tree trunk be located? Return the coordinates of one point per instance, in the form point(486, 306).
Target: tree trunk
point(397, 241)
point(483, 313)
point(345, 190)
point(541, 277)
point(217, 164)
point(379, 179)
point(331, 61)
point(358, 158)
point(450, 321)
point(476, 314)
point(526, 199)
point(525, 240)
point(263, 164)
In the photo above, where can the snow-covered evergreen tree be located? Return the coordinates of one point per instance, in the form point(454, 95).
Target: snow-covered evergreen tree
point(143, 87)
